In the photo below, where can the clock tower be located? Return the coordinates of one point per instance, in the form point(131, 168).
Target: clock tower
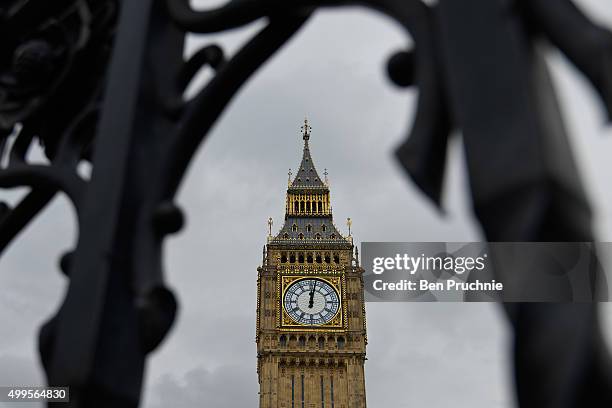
point(311, 330)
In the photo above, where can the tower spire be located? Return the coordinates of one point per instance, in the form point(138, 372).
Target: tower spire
point(306, 175)
point(306, 130)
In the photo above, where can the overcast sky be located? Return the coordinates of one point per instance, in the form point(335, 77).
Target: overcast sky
point(333, 72)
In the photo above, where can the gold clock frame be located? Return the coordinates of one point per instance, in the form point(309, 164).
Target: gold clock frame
point(285, 322)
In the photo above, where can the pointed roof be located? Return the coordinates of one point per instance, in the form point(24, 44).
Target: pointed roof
point(319, 230)
point(307, 176)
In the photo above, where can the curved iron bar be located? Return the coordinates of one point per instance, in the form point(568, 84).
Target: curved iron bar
point(19, 150)
point(211, 55)
point(5, 134)
point(234, 14)
point(587, 40)
point(18, 217)
point(45, 177)
point(45, 182)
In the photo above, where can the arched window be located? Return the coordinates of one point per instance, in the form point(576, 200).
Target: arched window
point(301, 258)
point(292, 258)
point(308, 228)
point(302, 206)
point(319, 260)
point(286, 236)
point(340, 342)
point(321, 342)
point(320, 206)
point(318, 236)
point(296, 206)
point(301, 236)
point(283, 258)
point(323, 227)
point(294, 227)
point(308, 206)
point(302, 341)
point(333, 236)
point(309, 258)
point(282, 341)
point(327, 259)
point(336, 259)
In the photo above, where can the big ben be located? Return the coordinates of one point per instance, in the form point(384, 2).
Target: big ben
point(311, 330)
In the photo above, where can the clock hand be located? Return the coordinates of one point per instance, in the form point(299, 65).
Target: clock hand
point(312, 291)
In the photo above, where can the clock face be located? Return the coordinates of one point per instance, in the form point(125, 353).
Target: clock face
point(311, 302)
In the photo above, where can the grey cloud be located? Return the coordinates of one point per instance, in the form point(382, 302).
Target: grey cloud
point(206, 387)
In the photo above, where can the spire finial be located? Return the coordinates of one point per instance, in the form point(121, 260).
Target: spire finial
point(270, 223)
point(289, 174)
point(306, 129)
point(325, 173)
point(349, 223)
